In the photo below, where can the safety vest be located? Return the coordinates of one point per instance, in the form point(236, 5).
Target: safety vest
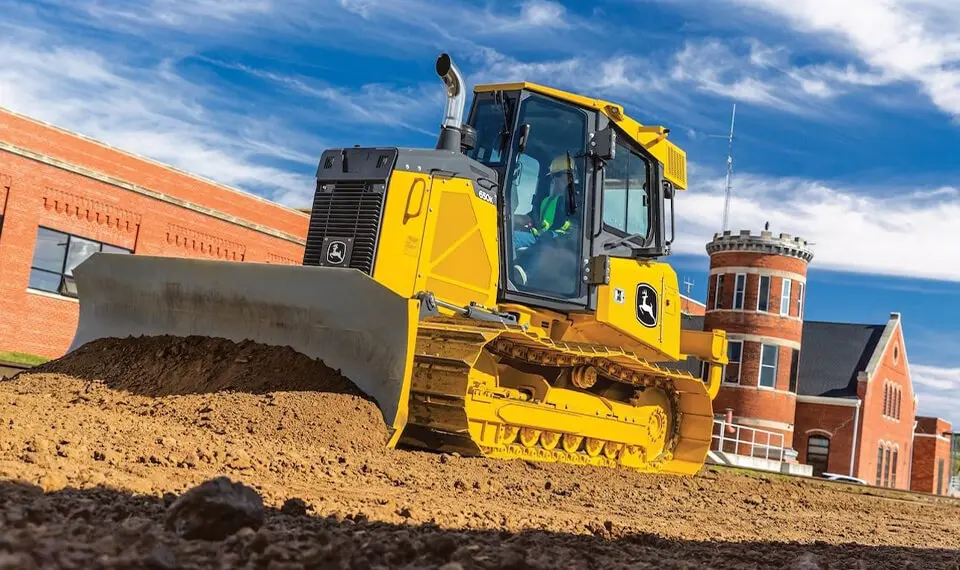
point(549, 215)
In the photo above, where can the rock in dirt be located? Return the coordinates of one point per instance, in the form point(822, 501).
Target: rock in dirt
point(214, 510)
point(806, 561)
point(295, 507)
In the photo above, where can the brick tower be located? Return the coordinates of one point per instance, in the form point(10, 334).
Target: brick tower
point(756, 294)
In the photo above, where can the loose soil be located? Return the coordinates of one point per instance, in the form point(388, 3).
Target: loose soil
point(97, 447)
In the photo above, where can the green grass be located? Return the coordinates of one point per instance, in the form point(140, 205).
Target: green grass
point(22, 358)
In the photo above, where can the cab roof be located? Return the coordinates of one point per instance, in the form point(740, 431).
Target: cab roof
point(652, 138)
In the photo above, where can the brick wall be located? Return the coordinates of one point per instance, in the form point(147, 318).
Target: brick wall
point(750, 298)
point(34, 194)
point(760, 260)
point(691, 307)
point(69, 147)
point(836, 423)
point(931, 456)
point(890, 430)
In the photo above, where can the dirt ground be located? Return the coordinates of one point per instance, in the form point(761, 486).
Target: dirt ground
point(97, 448)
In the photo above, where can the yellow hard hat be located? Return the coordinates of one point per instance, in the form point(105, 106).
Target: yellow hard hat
point(562, 164)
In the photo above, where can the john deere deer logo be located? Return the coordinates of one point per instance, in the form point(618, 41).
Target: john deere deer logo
point(647, 305)
point(335, 252)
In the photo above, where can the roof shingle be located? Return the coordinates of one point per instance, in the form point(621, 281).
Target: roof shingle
point(831, 356)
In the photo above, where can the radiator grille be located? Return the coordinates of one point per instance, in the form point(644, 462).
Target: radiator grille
point(347, 211)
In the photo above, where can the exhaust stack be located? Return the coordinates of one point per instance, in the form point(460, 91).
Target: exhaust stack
point(450, 133)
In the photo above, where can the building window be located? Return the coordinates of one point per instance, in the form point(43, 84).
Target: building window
point(879, 464)
point(718, 291)
point(886, 399)
point(739, 288)
point(785, 297)
point(763, 293)
point(818, 452)
point(893, 469)
point(56, 254)
point(800, 300)
point(886, 469)
point(734, 354)
point(768, 365)
point(940, 476)
point(794, 369)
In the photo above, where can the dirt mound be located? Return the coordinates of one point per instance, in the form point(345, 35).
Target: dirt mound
point(163, 366)
point(334, 497)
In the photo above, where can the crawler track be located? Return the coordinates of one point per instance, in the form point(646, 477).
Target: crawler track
point(483, 390)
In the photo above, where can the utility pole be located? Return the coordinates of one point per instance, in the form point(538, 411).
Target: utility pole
point(688, 283)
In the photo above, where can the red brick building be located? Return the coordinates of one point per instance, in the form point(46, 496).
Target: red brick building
point(931, 459)
point(756, 295)
point(856, 406)
point(840, 393)
point(64, 196)
point(690, 306)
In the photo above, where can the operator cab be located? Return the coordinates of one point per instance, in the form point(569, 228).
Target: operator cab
point(573, 187)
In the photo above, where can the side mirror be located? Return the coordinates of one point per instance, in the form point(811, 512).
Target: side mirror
point(605, 144)
point(522, 139)
point(668, 190)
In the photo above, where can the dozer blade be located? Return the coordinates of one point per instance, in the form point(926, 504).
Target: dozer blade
point(340, 316)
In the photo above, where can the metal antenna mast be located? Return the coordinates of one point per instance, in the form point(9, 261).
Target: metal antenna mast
point(726, 201)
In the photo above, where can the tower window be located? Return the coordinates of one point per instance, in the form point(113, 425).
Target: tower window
point(768, 365)
point(763, 294)
point(739, 287)
point(785, 297)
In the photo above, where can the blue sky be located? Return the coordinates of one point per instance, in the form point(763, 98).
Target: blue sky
point(847, 112)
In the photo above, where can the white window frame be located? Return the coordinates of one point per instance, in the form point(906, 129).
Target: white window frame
point(739, 291)
point(800, 299)
point(775, 366)
point(785, 290)
point(760, 288)
point(716, 291)
point(739, 364)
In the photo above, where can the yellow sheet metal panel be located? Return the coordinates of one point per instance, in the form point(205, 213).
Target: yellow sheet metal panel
point(401, 234)
point(460, 252)
point(643, 301)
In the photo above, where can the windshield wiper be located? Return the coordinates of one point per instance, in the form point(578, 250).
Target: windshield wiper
point(623, 240)
point(571, 191)
point(505, 130)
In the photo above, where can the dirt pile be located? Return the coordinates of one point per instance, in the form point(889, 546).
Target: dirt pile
point(312, 447)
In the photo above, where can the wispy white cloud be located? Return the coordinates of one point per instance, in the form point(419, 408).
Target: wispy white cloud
point(192, 15)
point(151, 111)
point(381, 104)
point(938, 390)
point(915, 41)
point(854, 229)
point(746, 71)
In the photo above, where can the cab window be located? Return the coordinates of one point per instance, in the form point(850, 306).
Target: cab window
point(545, 194)
point(626, 198)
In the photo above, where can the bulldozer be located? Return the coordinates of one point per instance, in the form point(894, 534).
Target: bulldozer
point(501, 295)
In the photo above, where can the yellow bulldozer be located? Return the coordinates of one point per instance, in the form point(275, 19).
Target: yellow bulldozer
point(500, 295)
